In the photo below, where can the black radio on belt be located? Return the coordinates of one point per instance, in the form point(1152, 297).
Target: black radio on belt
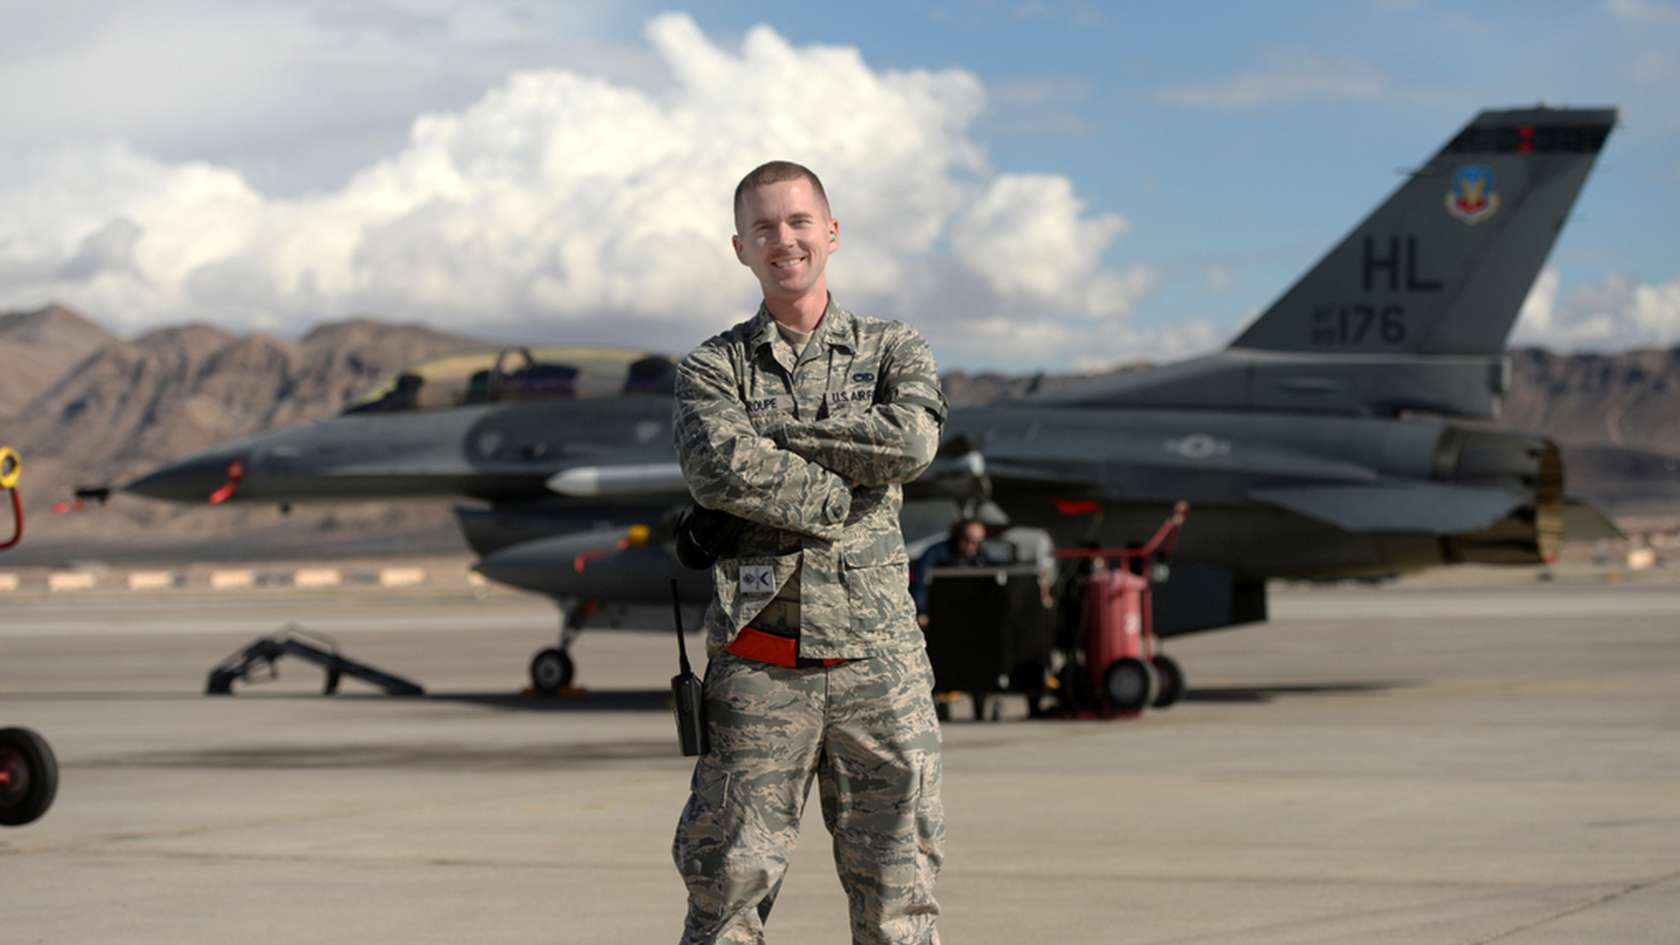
point(686, 696)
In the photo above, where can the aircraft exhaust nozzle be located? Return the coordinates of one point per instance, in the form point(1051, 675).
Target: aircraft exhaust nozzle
point(591, 482)
point(1531, 533)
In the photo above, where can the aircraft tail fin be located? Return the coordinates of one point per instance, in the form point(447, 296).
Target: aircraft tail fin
point(1443, 265)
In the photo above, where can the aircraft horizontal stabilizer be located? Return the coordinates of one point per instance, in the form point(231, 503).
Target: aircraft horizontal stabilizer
point(1433, 508)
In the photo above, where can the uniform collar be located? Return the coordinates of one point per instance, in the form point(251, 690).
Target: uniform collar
point(838, 329)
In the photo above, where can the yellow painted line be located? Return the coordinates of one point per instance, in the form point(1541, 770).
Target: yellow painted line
point(317, 577)
point(402, 577)
point(231, 580)
point(70, 581)
point(150, 580)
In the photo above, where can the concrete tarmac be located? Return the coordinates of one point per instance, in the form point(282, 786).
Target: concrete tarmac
point(1444, 761)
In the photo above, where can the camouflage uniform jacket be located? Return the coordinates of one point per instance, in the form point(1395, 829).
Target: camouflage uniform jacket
point(811, 451)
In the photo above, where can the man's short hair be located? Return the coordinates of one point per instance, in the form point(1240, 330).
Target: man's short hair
point(774, 172)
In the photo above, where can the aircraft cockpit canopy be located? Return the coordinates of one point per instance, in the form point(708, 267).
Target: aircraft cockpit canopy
point(520, 374)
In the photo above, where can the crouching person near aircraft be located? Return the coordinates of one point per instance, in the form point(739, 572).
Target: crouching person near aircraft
point(803, 421)
point(964, 547)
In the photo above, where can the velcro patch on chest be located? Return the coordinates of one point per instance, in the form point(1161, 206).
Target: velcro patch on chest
point(758, 579)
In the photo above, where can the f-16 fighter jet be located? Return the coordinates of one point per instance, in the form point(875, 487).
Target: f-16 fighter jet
point(1328, 440)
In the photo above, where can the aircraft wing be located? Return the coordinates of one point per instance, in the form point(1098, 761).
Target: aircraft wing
point(1396, 507)
point(1583, 521)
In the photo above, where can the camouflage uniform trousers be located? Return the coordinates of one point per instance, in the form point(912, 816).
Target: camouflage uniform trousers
point(866, 731)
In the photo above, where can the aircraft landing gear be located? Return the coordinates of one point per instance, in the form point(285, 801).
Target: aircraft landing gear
point(551, 671)
point(28, 776)
point(552, 668)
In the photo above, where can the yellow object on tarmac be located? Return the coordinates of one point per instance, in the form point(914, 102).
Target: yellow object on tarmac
point(11, 470)
point(11, 467)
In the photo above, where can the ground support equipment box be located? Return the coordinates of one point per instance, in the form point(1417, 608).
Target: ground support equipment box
point(988, 632)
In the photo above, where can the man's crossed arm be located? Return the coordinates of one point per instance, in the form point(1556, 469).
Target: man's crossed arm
point(891, 442)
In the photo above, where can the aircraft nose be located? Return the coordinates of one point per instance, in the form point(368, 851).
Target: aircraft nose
point(193, 479)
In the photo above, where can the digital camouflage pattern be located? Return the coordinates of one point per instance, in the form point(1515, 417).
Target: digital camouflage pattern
point(866, 731)
point(811, 449)
point(780, 440)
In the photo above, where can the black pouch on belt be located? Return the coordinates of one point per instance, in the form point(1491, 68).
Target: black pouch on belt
point(705, 535)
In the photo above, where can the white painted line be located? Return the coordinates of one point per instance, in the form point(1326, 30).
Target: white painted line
point(150, 580)
point(402, 577)
point(317, 577)
point(70, 581)
point(231, 580)
point(8, 582)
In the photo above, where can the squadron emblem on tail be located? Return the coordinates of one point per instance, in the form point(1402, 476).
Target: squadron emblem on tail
point(1472, 197)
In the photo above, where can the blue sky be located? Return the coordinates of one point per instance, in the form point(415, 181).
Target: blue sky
point(182, 160)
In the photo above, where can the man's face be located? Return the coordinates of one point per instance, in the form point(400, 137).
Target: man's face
point(783, 233)
point(969, 539)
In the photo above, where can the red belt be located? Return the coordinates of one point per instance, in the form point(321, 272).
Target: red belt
point(765, 646)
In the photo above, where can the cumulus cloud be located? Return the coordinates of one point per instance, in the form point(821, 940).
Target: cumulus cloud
point(1614, 314)
point(295, 94)
point(566, 204)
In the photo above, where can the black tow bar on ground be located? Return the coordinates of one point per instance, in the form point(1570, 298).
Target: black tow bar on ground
point(293, 640)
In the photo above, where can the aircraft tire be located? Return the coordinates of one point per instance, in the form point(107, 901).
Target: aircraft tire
point(1129, 685)
point(1171, 677)
point(33, 782)
point(552, 670)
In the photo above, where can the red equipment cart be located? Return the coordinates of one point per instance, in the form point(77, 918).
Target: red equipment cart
point(1124, 671)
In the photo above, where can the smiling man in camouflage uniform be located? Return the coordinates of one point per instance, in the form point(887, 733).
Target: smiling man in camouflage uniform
point(803, 421)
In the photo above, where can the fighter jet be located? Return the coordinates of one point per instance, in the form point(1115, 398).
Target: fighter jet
point(1341, 434)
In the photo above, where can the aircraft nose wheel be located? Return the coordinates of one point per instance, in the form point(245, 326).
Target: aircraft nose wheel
point(28, 776)
point(551, 671)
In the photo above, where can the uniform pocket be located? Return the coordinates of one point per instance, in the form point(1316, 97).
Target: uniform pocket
point(745, 585)
point(877, 575)
point(711, 785)
point(707, 826)
point(930, 815)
